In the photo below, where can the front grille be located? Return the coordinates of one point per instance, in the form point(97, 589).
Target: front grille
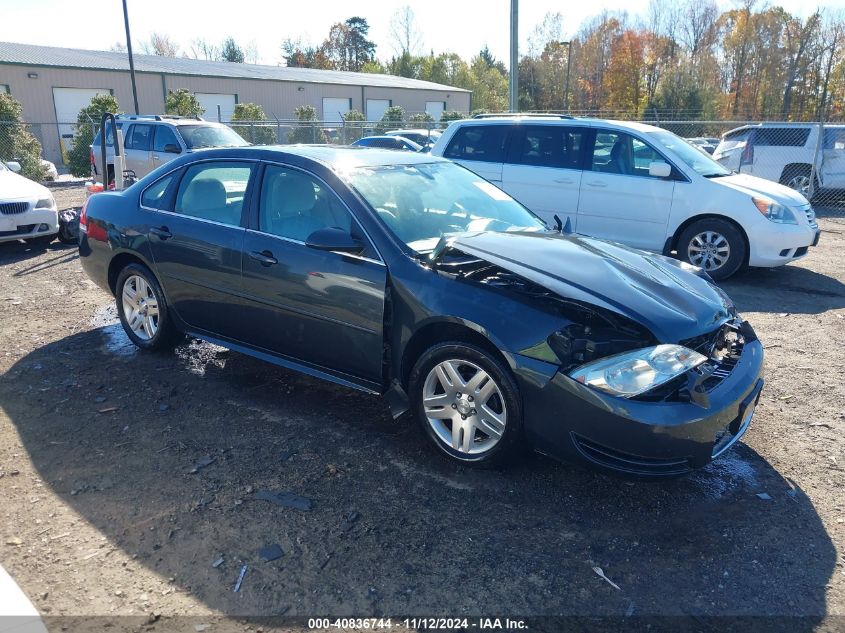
point(13, 208)
point(627, 463)
point(811, 215)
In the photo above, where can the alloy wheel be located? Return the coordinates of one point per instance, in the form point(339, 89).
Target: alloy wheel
point(140, 307)
point(464, 406)
point(801, 184)
point(709, 250)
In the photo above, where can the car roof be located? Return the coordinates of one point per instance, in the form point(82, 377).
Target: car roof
point(332, 156)
point(556, 120)
point(412, 131)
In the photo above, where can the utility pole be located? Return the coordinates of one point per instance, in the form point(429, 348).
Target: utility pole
point(514, 74)
point(568, 66)
point(131, 59)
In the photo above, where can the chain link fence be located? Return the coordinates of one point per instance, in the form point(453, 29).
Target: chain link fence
point(808, 157)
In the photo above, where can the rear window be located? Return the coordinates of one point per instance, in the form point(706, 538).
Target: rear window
point(781, 136)
point(199, 136)
point(478, 142)
point(109, 135)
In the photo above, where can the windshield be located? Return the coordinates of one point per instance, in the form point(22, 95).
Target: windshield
point(421, 203)
point(199, 136)
point(694, 158)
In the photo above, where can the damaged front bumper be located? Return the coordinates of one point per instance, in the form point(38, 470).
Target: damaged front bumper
point(566, 419)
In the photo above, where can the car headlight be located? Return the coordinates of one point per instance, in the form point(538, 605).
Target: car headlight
point(775, 212)
point(633, 373)
point(46, 203)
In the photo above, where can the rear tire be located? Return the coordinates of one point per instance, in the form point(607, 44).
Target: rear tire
point(467, 404)
point(143, 310)
point(797, 177)
point(717, 246)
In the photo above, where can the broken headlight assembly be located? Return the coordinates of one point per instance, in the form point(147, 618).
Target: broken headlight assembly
point(632, 373)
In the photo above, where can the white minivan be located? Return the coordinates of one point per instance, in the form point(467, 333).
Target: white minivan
point(638, 185)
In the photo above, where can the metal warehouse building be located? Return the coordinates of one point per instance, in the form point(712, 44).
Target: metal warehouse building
point(53, 84)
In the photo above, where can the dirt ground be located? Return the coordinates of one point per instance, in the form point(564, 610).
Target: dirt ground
point(124, 476)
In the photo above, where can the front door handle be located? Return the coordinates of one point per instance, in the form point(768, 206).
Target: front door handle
point(597, 183)
point(264, 257)
point(155, 157)
point(564, 181)
point(161, 232)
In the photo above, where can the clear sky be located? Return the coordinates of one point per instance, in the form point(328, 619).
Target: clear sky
point(460, 26)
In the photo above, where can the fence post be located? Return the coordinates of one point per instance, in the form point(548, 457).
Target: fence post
point(816, 152)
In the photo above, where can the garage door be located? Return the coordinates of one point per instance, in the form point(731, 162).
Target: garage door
point(435, 109)
point(334, 109)
point(376, 108)
point(210, 101)
point(68, 102)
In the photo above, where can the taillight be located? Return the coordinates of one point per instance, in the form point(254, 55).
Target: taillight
point(83, 225)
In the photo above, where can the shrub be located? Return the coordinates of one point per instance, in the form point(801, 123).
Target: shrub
point(255, 134)
point(393, 118)
point(421, 117)
point(353, 126)
point(182, 102)
point(451, 115)
point(16, 142)
point(305, 133)
point(87, 121)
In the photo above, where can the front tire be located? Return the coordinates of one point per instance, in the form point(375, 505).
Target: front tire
point(143, 310)
point(798, 178)
point(717, 246)
point(467, 403)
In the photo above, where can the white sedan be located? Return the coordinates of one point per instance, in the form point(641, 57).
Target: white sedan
point(27, 209)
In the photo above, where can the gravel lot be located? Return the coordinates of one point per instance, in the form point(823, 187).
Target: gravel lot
point(124, 476)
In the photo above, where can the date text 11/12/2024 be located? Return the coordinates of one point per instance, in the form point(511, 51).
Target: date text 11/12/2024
point(431, 624)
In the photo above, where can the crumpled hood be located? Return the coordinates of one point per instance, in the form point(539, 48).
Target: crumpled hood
point(16, 187)
point(759, 187)
point(656, 292)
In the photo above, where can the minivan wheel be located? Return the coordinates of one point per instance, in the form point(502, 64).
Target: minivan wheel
point(143, 310)
point(715, 245)
point(467, 403)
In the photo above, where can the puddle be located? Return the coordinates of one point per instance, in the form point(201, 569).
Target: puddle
point(729, 472)
point(115, 341)
point(198, 356)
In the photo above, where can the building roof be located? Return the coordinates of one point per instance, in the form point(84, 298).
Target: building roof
point(29, 54)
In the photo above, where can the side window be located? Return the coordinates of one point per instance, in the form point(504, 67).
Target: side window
point(139, 137)
point(214, 191)
point(834, 139)
point(164, 136)
point(620, 153)
point(294, 205)
point(781, 136)
point(478, 142)
point(155, 196)
point(552, 146)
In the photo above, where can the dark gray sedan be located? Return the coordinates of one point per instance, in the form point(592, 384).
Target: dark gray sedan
point(410, 276)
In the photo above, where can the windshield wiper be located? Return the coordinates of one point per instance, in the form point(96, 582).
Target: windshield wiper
point(715, 175)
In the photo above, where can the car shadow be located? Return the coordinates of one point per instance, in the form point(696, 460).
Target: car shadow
point(16, 252)
point(164, 453)
point(791, 289)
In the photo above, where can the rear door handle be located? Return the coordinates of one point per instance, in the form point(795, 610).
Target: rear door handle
point(597, 183)
point(155, 157)
point(161, 232)
point(564, 181)
point(264, 257)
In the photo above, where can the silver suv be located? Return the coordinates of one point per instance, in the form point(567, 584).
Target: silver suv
point(152, 140)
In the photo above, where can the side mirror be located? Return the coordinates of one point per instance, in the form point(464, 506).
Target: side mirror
point(170, 148)
point(14, 165)
point(334, 239)
point(659, 169)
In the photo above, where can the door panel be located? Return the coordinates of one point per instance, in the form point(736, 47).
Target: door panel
point(137, 144)
point(319, 307)
point(543, 170)
point(197, 246)
point(832, 168)
point(619, 201)
point(164, 136)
